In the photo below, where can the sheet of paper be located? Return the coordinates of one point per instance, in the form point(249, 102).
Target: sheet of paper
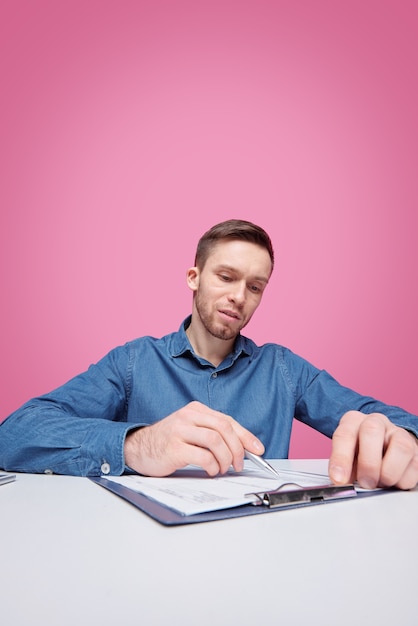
point(191, 491)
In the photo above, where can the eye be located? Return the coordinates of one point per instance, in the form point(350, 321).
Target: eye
point(225, 278)
point(255, 289)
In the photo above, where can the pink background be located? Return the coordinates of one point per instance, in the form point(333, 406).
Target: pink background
point(128, 128)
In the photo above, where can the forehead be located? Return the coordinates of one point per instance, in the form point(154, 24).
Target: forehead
point(241, 256)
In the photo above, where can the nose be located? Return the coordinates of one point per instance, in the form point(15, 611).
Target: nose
point(237, 293)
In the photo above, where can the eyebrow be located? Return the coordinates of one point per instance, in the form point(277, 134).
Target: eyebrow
point(231, 268)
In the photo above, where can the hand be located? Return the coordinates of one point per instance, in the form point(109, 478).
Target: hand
point(196, 435)
point(373, 451)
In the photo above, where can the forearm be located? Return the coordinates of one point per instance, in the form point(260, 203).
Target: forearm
point(77, 429)
point(30, 442)
point(325, 401)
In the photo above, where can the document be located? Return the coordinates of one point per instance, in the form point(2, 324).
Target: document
point(191, 491)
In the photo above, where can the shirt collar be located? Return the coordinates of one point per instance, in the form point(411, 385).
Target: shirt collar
point(181, 344)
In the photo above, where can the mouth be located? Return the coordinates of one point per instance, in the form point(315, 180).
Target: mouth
point(231, 315)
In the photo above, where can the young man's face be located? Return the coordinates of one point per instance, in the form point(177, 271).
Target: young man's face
point(229, 288)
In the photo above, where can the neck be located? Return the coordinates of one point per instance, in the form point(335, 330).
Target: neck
point(207, 346)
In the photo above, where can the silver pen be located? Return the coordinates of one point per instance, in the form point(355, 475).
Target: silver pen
point(260, 462)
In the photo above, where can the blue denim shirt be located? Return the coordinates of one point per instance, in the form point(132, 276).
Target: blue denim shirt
point(80, 428)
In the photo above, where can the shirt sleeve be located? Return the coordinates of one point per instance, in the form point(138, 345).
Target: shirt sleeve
point(322, 402)
point(79, 429)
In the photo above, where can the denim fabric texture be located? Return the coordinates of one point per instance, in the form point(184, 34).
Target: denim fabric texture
point(80, 428)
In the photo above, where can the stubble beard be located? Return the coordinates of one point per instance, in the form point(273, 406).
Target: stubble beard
point(215, 329)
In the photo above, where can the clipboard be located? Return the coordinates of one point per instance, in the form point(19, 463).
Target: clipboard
point(6, 478)
point(267, 502)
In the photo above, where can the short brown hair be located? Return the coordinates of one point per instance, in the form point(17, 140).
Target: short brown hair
point(232, 229)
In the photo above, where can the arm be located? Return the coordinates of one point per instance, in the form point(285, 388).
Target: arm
point(372, 442)
point(78, 429)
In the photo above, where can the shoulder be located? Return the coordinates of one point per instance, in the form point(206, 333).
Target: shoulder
point(268, 350)
point(147, 343)
point(277, 355)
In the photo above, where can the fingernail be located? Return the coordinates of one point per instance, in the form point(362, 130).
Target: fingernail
point(257, 445)
point(337, 474)
point(367, 483)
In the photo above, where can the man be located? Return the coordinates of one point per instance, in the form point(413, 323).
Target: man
point(206, 393)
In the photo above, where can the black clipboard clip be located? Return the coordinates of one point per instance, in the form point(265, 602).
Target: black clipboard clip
point(292, 494)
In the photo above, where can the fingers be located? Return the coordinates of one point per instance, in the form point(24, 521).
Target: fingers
point(371, 445)
point(218, 433)
point(373, 451)
point(344, 448)
point(193, 435)
point(400, 462)
point(214, 449)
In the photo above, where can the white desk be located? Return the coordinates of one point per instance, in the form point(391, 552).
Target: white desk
point(72, 553)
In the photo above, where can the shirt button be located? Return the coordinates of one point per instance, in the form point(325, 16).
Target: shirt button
point(105, 468)
point(48, 471)
point(215, 374)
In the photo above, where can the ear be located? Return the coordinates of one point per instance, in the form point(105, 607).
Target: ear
point(192, 276)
